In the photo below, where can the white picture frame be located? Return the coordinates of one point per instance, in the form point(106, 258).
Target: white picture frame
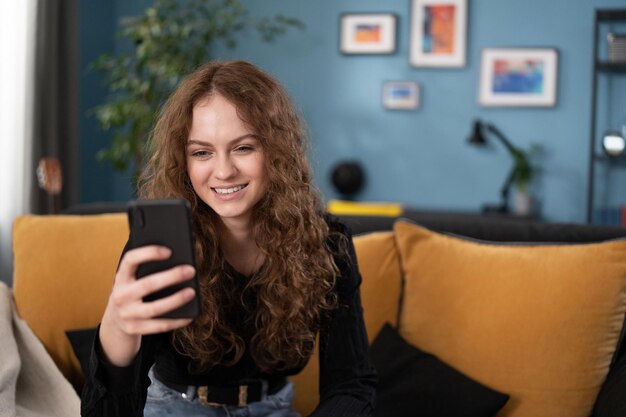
point(401, 95)
point(518, 77)
point(438, 34)
point(367, 33)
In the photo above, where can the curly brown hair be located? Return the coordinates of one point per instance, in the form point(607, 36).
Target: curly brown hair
point(295, 285)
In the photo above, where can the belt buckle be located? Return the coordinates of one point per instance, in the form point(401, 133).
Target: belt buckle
point(243, 395)
point(203, 393)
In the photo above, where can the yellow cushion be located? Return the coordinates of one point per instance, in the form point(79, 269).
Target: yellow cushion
point(379, 265)
point(64, 268)
point(539, 323)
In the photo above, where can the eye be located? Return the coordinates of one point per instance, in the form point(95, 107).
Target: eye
point(201, 154)
point(244, 148)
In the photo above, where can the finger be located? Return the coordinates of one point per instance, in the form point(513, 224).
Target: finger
point(144, 327)
point(135, 257)
point(133, 292)
point(156, 308)
point(160, 280)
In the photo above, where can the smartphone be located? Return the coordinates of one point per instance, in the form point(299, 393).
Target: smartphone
point(166, 223)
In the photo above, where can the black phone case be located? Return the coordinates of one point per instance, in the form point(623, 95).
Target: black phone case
point(166, 223)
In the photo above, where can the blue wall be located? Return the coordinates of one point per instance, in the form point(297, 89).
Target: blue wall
point(416, 157)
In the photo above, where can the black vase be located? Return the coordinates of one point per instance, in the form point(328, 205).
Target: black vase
point(348, 178)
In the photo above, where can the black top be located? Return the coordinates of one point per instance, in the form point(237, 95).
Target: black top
point(347, 376)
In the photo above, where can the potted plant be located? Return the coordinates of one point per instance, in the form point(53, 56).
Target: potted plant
point(167, 41)
point(523, 173)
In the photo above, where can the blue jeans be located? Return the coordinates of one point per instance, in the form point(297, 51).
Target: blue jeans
point(164, 401)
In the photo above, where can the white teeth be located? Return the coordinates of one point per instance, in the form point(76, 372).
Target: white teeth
point(228, 190)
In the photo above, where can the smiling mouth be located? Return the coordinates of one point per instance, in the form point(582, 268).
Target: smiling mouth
point(231, 190)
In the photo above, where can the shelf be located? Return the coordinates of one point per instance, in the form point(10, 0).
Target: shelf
point(620, 160)
point(606, 66)
point(610, 15)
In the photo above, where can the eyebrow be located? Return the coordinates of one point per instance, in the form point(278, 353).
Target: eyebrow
point(235, 140)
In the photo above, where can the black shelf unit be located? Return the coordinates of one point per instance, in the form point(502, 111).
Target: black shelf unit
point(610, 159)
point(601, 66)
point(605, 66)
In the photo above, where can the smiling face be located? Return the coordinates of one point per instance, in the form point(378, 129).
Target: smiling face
point(225, 161)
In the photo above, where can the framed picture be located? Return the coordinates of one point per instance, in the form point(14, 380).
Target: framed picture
point(438, 33)
point(518, 77)
point(367, 33)
point(403, 95)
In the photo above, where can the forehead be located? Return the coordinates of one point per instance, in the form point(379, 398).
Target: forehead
point(217, 103)
point(216, 118)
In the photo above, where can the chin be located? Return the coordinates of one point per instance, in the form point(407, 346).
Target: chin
point(230, 212)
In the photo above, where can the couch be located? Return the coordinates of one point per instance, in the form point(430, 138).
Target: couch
point(484, 314)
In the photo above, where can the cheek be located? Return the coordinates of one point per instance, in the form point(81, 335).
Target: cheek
point(260, 167)
point(263, 175)
point(195, 173)
point(190, 171)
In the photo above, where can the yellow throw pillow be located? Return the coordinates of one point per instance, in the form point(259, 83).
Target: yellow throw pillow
point(64, 268)
point(538, 322)
point(379, 264)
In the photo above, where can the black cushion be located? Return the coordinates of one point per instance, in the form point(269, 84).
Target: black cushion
point(611, 400)
point(82, 342)
point(415, 383)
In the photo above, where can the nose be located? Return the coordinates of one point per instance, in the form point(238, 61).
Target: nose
point(225, 167)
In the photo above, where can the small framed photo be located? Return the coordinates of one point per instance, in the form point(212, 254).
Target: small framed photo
point(518, 77)
point(401, 95)
point(367, 33)
point(438, 36)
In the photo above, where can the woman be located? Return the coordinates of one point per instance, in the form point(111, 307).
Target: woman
point(274, 271)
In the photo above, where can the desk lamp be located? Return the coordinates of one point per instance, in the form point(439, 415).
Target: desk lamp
point(521, 167)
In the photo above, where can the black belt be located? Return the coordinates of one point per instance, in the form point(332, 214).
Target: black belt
point(221, 395)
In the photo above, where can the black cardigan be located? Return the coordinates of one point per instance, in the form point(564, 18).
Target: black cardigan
point(347, 376)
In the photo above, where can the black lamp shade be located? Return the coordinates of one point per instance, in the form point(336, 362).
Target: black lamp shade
point(477, 138)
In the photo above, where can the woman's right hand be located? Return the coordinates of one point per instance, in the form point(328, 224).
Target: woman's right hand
point(127, 317)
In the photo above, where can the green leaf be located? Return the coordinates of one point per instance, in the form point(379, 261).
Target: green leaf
point(167, 41)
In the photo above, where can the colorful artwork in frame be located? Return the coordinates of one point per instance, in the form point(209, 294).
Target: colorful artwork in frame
point(401, 95)
point(438, 33)
point(518, 77)
point(367, 33)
